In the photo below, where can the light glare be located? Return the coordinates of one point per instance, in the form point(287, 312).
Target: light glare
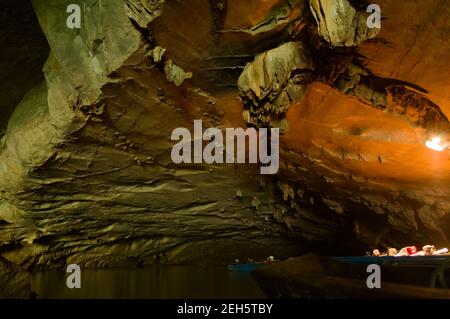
point(435, 144)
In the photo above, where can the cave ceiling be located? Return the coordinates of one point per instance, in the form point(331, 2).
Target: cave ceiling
point(85, 168)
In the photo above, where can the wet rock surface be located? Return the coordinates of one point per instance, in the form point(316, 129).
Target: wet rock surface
point(14, 281)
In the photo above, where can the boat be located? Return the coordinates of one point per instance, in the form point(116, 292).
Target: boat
point(247, 267)
point(251, 265)
point(317, 277)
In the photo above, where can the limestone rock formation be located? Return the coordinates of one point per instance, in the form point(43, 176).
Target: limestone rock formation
point(85, 169)
point(340, 24)
point(273, 80)
point(14, 281)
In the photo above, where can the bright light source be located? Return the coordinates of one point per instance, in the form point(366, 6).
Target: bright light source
point(436, 140)
point(435, 144)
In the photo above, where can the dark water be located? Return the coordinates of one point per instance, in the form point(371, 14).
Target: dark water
point(165, 282)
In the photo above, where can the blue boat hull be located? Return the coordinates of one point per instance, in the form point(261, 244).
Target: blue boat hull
point(249, 267)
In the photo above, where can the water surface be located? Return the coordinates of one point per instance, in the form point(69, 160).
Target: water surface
point(180, 282)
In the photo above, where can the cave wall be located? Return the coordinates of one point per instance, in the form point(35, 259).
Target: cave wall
point(85, 168)
point(21, 57)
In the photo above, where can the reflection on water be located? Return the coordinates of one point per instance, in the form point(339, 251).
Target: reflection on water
point(162, 282)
